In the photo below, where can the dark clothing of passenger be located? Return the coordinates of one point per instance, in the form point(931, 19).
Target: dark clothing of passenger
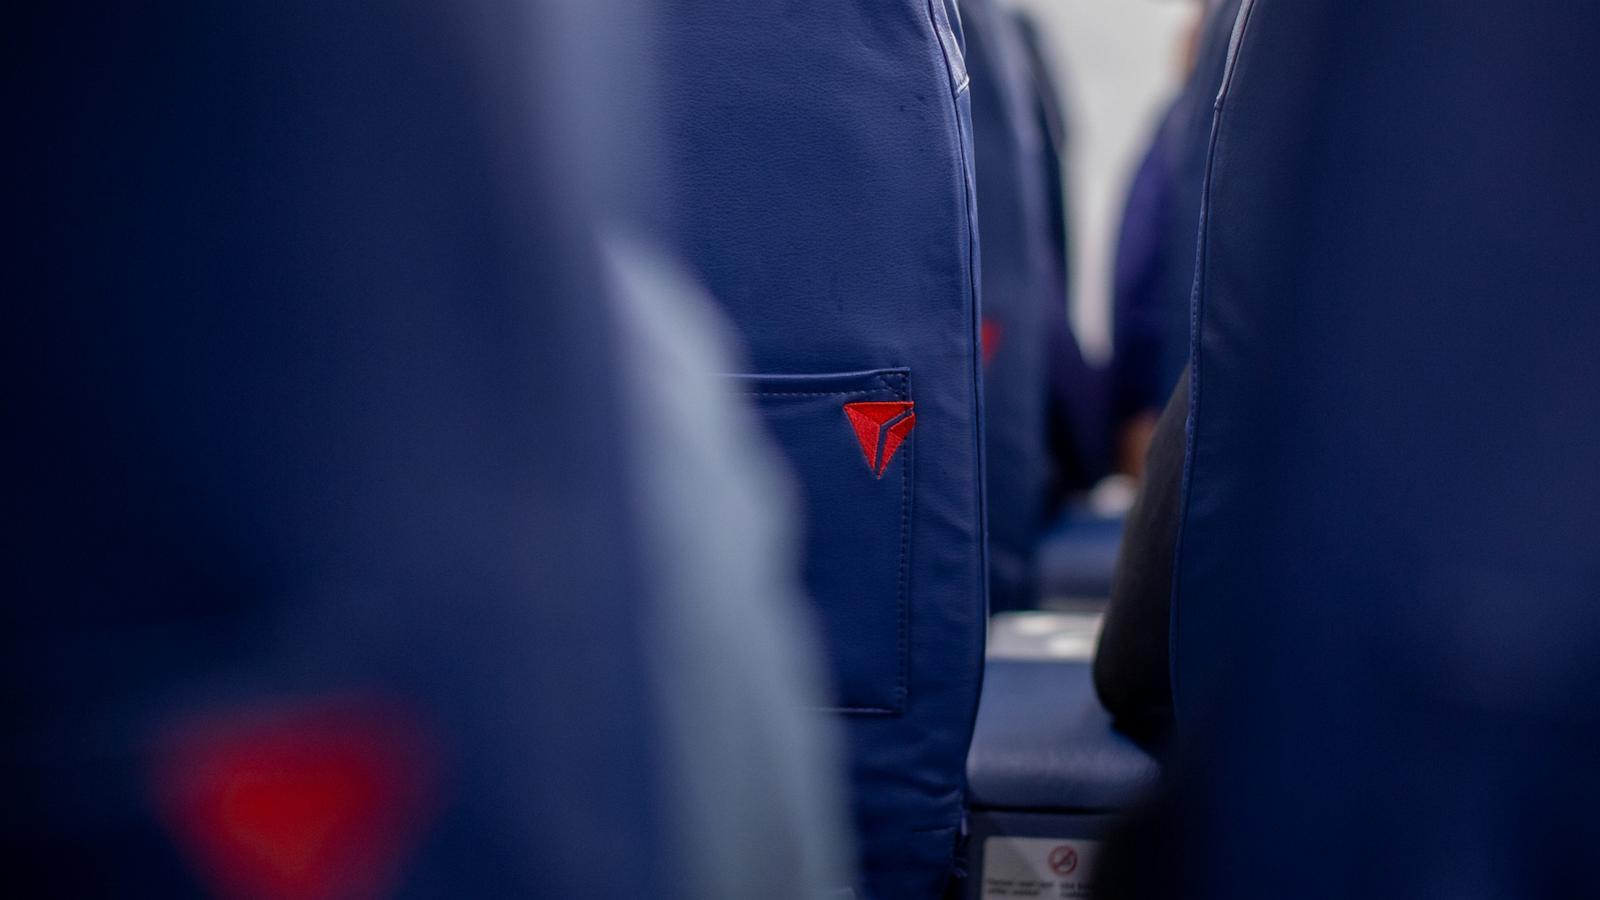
point(1132, 667)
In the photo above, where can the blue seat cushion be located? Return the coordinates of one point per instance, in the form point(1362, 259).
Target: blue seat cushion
point(1044, 742)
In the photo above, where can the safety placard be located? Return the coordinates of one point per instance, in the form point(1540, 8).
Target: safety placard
point(1038, 868)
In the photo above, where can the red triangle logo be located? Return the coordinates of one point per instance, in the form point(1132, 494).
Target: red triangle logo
point(881, 427)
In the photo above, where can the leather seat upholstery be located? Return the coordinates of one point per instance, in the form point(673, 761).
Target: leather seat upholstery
point(820, 183)
point(1385, 619)
point(1038, 391)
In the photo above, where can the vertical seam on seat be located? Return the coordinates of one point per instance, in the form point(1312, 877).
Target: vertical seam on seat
point(1196, 323)
point(973, 313)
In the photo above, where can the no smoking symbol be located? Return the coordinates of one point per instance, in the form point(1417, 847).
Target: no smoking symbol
point(1063, 860)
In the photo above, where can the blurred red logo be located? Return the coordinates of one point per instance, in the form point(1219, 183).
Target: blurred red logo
point(311, 802)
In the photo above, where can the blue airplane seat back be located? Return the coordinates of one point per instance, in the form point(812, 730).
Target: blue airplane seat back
point(820, 179)
point(307, 461)
point(1385, 618)
point(1034, 377)
point(1046, 771)
point(1080, 391)
point(1190, 134)
point(325, 568)
point(1051, 111)
point(1023, 298)
point(1161, 220)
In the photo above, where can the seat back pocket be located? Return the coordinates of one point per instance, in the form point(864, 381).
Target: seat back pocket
point(850, 443)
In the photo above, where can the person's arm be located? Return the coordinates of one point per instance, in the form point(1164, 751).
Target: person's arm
point(1132, 671)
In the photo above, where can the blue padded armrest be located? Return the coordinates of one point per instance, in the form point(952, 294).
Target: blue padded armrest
point(1043, 742)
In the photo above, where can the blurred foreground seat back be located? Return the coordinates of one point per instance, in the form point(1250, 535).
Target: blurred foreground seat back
point(821, 188)
point(1385, 622)
point(328, 571)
